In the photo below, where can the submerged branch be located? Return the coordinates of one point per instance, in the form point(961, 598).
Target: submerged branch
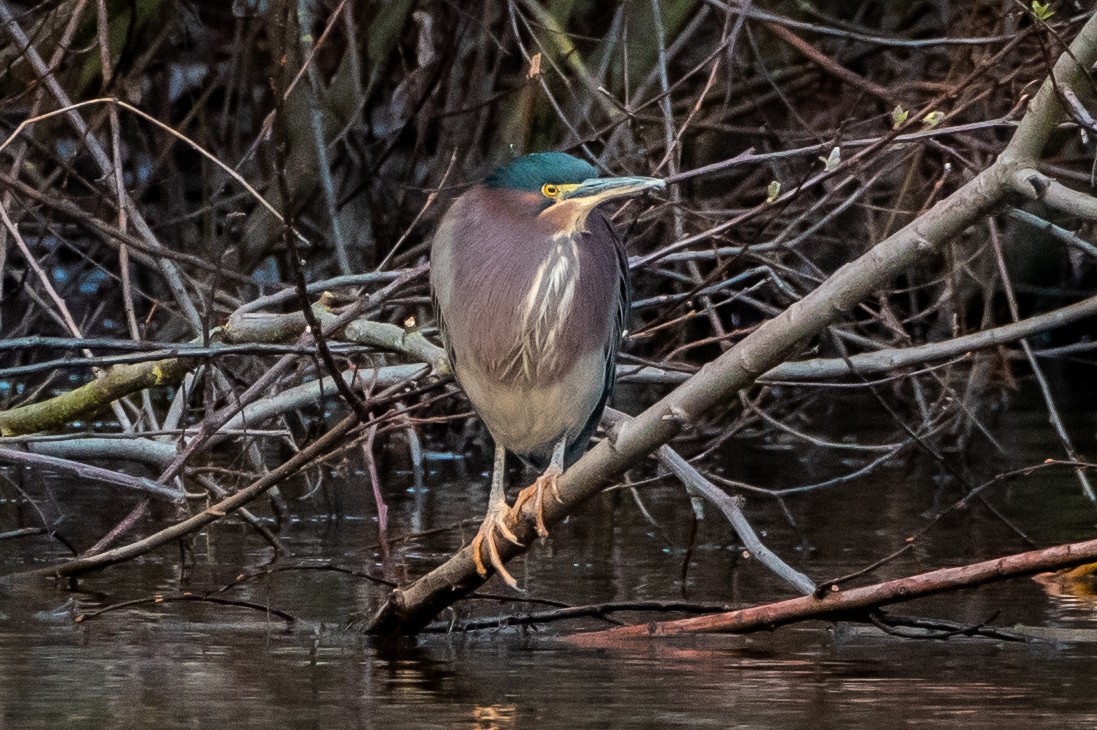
point(214, 512)
point(838, 604)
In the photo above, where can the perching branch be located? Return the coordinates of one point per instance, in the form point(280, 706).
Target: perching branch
point(410, 608)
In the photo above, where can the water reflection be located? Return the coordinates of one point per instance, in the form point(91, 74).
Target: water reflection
point(185, 664)
point(136, 673)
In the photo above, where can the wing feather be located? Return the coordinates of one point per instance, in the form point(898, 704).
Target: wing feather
point(602, 227)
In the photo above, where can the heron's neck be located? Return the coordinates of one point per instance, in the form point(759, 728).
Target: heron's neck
point(568, 217)
point(546, 307)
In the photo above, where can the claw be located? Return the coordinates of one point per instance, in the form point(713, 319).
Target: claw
point(494, 520)
point(536, 492)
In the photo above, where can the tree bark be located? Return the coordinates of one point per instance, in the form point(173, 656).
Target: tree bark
point(409, 609)
point(838, 603)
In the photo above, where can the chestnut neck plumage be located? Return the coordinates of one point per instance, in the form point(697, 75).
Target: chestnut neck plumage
point(576, 273)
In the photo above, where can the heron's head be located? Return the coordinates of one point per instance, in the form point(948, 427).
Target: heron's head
point(563, 188)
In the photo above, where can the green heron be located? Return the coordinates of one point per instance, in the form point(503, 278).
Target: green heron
point(531, 290)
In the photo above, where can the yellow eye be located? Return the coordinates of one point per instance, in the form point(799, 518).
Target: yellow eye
point(549, 190)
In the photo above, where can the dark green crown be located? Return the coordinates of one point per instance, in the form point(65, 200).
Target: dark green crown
point(533, 171)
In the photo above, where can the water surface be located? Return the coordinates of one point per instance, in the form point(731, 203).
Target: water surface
point(180, 664)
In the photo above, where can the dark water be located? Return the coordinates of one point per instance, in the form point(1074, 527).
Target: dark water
point(179, 664)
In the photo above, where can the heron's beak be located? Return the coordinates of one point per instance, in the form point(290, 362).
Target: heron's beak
point(600, 189)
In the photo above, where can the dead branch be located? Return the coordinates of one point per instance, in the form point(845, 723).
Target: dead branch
point(855, 601)
point(89, 472)
point(212, 513)
point(409, 609)
point(108, 156)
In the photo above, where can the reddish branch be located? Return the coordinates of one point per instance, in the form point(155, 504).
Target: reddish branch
point(829, 65)
point(856, 600)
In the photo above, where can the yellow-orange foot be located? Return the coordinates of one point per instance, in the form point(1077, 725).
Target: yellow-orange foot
point(536, 492)
point(494, 521)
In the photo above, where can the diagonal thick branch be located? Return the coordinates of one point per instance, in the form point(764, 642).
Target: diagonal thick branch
point(409, 609)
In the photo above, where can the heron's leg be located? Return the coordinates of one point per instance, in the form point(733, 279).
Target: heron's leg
point(494, 520)
point(547, 480)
